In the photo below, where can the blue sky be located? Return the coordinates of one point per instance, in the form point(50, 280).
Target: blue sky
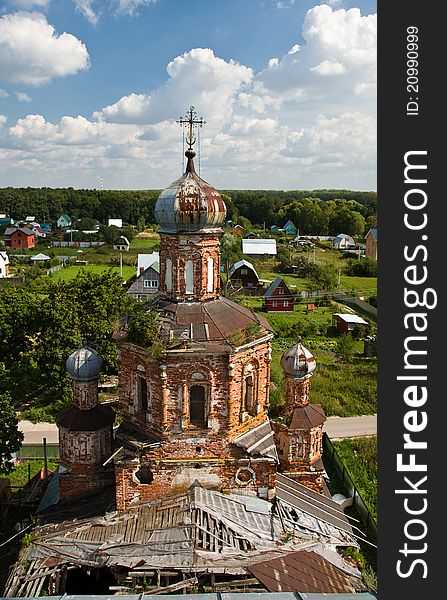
point(89, 88)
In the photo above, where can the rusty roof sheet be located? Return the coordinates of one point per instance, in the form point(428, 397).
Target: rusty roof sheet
point(306, 417)
point(301, 572)
point(259, 441)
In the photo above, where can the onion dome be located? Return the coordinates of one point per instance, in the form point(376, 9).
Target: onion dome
point(190, 203)
point(84, 364)
point(298, 362)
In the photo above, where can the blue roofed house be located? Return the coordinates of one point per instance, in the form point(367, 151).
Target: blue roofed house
point(290, 228)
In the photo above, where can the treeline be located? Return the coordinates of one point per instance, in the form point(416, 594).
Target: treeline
point(325, 212)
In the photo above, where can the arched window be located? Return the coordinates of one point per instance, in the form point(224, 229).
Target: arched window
point(189, 277)
point(210, 274)
point(197, 405)
point(250, 390)
point(168, 275)
point(142, 393)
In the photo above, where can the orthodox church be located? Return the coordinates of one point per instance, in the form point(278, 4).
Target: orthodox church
point(198, 410)
point(204, 484)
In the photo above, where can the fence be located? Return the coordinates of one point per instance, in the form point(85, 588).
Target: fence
point(330, 454)
point(77, 244)
point(35, 451)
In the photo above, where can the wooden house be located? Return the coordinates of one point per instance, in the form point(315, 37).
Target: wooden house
point(371, 243)
point(278, 297)
point(146, 284)
point(346, 323)
point(122, 244)
point(243, 275)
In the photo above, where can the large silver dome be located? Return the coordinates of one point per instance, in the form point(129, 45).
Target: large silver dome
point(189, 204)
point(84, 364)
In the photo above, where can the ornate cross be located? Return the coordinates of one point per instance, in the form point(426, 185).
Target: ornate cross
point(191, 122)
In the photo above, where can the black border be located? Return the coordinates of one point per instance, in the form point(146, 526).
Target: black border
point(398, 134)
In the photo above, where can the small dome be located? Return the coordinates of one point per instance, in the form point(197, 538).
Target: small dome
point(84, 364)
point(298, 362)
point(189, 204)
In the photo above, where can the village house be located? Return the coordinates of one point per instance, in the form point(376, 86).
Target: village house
point(146, 284)
point(348, 322)
point(290, 228)
point(4, 265)
point(238, 231)
point(122, 244)
point(278, 297)
point(64, 221)
point(22, 238)
point(144, 261)
point(243, 275)
point(371, 243)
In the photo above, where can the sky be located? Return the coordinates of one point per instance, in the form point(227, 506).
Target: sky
point(90, 91)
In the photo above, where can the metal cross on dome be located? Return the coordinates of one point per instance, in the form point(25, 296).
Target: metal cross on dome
point(191, 122)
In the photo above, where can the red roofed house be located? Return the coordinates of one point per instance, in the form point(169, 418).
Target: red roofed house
point(19, 237)
point(278, 297)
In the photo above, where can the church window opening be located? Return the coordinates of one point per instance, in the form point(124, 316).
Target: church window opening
point(142, 392)
point(250, 392)
point(197, 405)
point(189, 277)
point(210, 273)
point(144, 474)
point(168, 275)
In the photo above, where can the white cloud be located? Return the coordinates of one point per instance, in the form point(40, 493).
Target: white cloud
point(30, 4)
point(23, 97)
point(3, 120)
point(3, 93)
point(329, 67)
point(31, 51)
point(307, 120)
point(130, 7)
point(207, 81)
point(85, 7)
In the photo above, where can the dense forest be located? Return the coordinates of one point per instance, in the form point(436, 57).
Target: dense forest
point(325, 212)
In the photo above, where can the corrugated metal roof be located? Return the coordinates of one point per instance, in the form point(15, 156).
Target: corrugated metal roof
point(242, 263)
point(144, 261)
point(301, 572)
point(259, 441)
point(350, 318)
point(267, 246)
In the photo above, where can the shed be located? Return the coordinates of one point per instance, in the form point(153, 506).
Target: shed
point(345, 322)
point(243, 274)
point(278, 297)
point(266, 247)
point(343, 241)
point(122, 244)
point(371, 243)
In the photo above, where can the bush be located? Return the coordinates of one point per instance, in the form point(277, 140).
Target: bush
point(345, 347)
point(366, 267)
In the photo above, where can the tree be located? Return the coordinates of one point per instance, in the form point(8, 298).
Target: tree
point(345, 347)
point(10, 437)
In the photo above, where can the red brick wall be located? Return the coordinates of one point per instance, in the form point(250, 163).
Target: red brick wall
point(196, 247)
point(20, 240)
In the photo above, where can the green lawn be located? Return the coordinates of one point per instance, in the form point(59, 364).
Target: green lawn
point(359, 455)
point(69, 273)
point(19, 475)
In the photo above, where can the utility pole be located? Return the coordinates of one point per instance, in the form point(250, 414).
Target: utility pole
point(121, 265)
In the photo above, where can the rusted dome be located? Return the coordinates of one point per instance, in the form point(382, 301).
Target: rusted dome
point(189, 204)
point(298, 362)
point(84, 364)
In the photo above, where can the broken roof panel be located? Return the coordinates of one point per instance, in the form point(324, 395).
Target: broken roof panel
point(259, 441)
point(301, 572)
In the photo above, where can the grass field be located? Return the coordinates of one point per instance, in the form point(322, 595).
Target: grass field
point(359, 455)
point(69, 273)
point(19, 475)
